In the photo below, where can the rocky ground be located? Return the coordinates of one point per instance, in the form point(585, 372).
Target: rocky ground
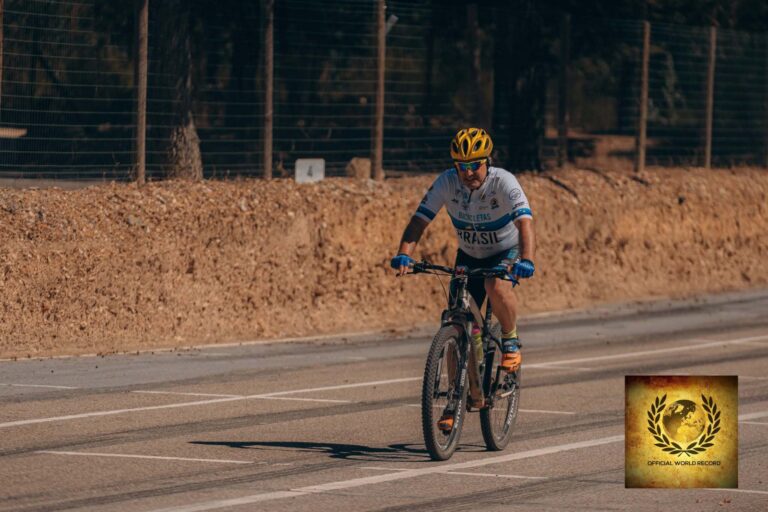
point(119, 268)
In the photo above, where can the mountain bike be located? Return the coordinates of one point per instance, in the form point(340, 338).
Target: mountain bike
point(447, 372)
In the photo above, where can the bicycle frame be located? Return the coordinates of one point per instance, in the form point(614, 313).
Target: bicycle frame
point(462, 311)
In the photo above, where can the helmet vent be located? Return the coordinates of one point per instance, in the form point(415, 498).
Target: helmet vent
point(465, 146)
point(477, 145)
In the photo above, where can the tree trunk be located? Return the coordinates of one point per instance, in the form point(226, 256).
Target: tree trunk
point(181, 158)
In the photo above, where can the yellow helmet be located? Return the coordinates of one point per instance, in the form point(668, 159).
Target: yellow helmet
point(471, 144)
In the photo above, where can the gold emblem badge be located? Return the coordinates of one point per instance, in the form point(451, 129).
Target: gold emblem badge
point(683, 421)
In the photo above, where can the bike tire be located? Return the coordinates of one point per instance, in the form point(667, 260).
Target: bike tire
point(439, 444)
point(497, 422)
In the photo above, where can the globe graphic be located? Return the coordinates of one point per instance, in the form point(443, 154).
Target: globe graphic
point(683, 421)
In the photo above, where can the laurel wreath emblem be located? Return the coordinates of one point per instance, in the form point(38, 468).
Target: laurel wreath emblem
point(698, 446)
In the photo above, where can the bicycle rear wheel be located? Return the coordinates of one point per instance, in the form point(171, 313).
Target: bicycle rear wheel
point(497, 422)
point(443, 390)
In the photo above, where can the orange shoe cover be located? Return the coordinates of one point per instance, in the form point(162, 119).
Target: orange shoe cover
point(446, 423)
point(511, 361)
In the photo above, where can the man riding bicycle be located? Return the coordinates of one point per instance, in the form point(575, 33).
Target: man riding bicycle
point(494, 224)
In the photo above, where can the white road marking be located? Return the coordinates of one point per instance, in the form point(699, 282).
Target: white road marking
point(151, 392)
point(749, 491)
point(625, 355)
point(114, 411)
point(495, 475)
point(543, 411)
point(748, 377)
point(754, 422)
point(374, 468)
point(753, 415)
point(153, 457)
point(400, 475)
point(244, 397)
point(342, 386)
point(36, 386)
point(550, 366)
point(329, 400)
point(200, 402)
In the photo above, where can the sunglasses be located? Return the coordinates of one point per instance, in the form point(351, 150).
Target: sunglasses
point(470, 166)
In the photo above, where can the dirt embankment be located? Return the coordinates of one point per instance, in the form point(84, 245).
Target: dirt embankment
point(117, 268)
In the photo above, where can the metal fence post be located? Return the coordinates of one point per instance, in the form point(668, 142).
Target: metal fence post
point(378, 136)
point(2, 37)
point(140, 71)
point(643, 114)
point(710, 97)
point(269, 65)
point(562, 96)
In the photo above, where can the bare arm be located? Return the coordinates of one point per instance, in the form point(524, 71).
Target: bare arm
point(410, 238)
point(527, 238)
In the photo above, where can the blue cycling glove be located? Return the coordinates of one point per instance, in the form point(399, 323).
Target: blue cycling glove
point(523, 268)
point(401, 260)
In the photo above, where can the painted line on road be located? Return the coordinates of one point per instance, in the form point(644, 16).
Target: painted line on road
point(244, 397)
point(550, 366)
point(753, 415)
point(153, 457)
point(749, 377)
point(390, 477)
point(466, 473)
point(152, 392)
point(199, 402)
point(749, 491)
point(115, 411)
point(375, 468)
point(625, 355)
point(754, 422)
point(342, 386)
point(296, 399)
point(14, 385)
point(541, 411)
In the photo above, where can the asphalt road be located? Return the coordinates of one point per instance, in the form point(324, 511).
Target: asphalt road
point(334, 425)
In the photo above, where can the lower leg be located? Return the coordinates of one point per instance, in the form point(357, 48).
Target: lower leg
point(505, 306)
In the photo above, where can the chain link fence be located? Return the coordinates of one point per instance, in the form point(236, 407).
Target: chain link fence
point(68, 88)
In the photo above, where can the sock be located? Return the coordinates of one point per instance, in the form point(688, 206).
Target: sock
point(510, 334)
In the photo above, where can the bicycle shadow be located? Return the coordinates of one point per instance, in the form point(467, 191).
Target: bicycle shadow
point(400, 452)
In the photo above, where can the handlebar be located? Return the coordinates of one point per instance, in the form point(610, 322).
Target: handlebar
point(424, 267)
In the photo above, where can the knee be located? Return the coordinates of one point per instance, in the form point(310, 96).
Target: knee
point(494, 287)
point(500, 290)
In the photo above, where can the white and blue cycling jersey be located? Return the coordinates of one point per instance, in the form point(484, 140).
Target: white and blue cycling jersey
point(483, 218)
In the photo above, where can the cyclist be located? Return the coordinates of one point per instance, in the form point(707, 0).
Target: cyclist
point(494, 224)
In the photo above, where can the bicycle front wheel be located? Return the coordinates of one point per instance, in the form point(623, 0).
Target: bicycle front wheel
point(497, 421)
point(443, 391)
